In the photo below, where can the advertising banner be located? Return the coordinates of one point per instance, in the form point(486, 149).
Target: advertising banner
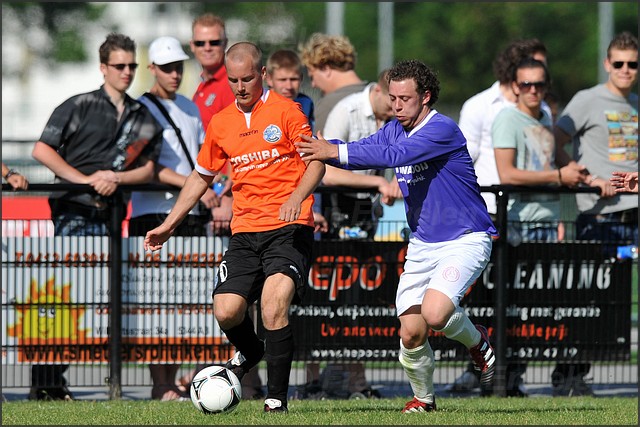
point(565, 301)
point(55, 300)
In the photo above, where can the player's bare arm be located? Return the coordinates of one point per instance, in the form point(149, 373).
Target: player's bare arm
point(193, 189)
point(316, 148)
point(290, 210)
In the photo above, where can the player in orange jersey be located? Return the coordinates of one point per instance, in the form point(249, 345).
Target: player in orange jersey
point(269, 252)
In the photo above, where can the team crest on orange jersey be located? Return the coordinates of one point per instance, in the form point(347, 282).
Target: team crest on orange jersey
point(272, 134)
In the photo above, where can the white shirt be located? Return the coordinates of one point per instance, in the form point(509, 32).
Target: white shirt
point(476, 119)
point(186, 116)
point(351, 119)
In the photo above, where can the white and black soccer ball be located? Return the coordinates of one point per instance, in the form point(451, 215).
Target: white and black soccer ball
point(215, 389)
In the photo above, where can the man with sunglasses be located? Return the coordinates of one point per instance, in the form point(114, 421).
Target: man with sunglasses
point(525, 155)
point(602, 123)
point(102, 138)
point(208, 44)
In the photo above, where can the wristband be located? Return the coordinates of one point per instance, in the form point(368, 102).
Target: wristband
point(559, 177)
point(10, 173)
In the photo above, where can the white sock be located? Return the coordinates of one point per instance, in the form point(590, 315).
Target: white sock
point(419, 364)
point(460, 328)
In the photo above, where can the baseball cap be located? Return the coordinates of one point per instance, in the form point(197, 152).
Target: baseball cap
point(165, 50)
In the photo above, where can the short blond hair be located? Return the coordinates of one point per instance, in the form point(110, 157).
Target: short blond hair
point(209, 20)
point(323, 50)
point(286, 59)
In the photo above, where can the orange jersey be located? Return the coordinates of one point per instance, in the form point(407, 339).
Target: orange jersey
point(265, 166)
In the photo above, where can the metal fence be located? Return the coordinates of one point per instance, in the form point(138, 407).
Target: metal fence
point(108, 308)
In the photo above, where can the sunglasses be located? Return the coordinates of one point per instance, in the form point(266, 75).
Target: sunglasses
point(631, 64)
point(121, 67)
point(526, 86)
point(170, 68)
point(201, 43)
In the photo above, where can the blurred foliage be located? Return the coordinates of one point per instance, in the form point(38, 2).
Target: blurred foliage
point(458, 40)
point(63, 23)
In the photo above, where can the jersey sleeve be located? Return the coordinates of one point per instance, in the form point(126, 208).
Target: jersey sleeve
point(501, 130)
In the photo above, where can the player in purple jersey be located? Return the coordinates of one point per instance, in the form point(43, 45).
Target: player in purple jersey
point(451, 237)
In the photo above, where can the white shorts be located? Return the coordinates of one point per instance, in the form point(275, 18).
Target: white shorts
point(449, 267)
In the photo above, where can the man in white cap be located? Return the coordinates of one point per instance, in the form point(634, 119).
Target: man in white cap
point(183, 134)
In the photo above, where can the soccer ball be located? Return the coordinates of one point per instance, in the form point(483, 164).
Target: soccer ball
point(215, 389)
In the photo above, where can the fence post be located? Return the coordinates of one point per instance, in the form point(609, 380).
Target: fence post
point(115, 296)
point(502, 259)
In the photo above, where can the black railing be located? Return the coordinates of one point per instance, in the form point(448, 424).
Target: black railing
point(500, 250)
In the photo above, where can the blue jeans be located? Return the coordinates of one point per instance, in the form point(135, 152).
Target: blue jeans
point(540, 234)
point(531, 232)
point(612, 229)
point(77, 225)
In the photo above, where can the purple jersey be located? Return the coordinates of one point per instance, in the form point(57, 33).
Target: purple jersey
point(435, 173)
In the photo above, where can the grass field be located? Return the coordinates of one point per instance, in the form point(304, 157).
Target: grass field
point(451, 411)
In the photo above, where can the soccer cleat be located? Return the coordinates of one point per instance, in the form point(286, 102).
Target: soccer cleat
point(417, 406)
point(235, 365)
point(484, 358)
point(239, 364)
point(275, 405)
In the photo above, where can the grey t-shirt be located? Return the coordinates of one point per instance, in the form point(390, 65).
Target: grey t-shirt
point(604, 127)
point(328, 101)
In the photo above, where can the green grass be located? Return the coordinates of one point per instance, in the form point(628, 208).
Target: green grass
point(451, 411)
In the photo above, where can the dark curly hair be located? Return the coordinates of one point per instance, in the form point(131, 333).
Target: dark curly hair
point(425, 78)
point(505, 63)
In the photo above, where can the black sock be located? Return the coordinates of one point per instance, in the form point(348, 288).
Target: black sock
point(279, 355)
point(244, 338)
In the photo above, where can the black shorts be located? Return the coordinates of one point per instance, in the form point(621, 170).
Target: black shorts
point(252, 257)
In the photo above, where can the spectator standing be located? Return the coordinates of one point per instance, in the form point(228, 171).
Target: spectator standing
point(269, 252)
point(331, 63)
point(525, 155)
point(102, 138)
point(180, 147)
point(208, 44)
point(354, 117)
point(446, 253)
point(284, 76)
point(14, 178)
point(479, 111)
point(602, 123)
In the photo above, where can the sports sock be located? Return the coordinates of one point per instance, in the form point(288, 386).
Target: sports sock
point(244, 338)
point(279, 355)
point(419, 364)
point(460, 328)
